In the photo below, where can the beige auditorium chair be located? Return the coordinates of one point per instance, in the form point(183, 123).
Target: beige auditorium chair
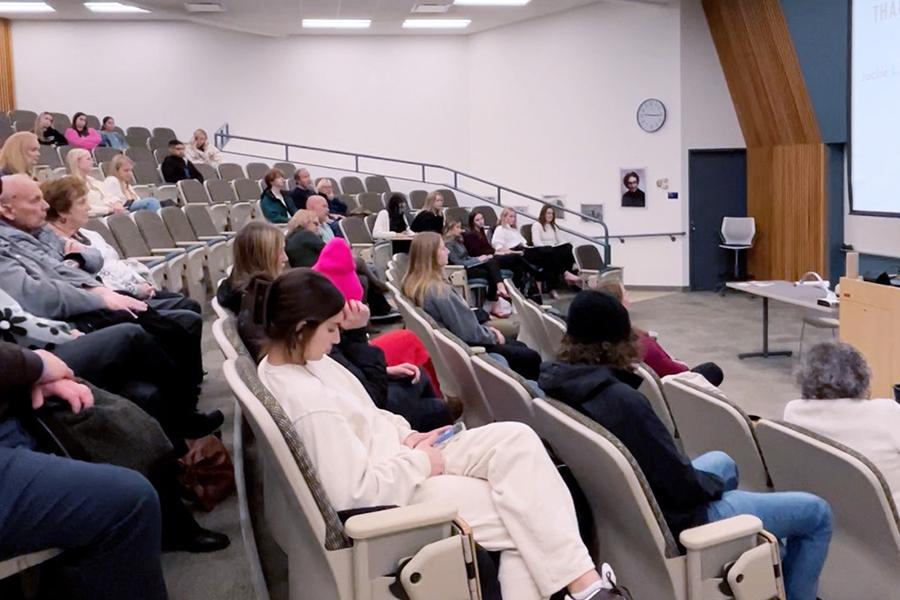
point(864, 555)
point(218, 250)
point(457, 357)
point(133, 245)
point(652, 389)
point(633, 536)
point(158, 238)
point(377, 183)
point(708, 421)
point(505, 391)
point(532, 331)
point(421, 547)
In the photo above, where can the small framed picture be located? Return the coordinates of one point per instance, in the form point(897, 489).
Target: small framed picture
point(631, 186)
point(592, 210)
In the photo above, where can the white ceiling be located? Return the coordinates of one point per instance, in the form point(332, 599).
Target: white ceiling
point(283, 17)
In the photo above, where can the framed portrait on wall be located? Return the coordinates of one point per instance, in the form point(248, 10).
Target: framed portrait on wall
point(592, 210)
point(632, 187)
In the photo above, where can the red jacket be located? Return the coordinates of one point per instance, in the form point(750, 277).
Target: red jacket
point(658, 359)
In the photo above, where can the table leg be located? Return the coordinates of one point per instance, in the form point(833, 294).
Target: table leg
point(766, 353)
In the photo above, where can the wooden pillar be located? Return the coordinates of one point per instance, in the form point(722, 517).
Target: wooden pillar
point(7, 79)
point(786, 166)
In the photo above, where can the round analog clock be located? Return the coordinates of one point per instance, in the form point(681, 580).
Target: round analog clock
point(651, 115)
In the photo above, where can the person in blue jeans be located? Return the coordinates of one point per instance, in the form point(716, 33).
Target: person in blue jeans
point(593, 375)
point(105, 519)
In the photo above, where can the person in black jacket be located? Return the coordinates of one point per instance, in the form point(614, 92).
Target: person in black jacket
point(303, 188)
point(176, 167)
point(106, 519)
point(431, 217)
point(592, 375)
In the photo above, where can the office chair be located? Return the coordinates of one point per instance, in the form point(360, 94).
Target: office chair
point(737, 234)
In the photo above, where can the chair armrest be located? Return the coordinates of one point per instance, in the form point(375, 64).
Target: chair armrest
point(150, 260)
point(473, 350)
point(211, 238)
point(395, 520)
point(167, 250)
point(719, 532)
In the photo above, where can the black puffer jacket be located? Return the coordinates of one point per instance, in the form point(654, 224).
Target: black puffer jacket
point(610, 397)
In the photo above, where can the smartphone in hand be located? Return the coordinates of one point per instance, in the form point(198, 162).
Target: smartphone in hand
point(447, 435)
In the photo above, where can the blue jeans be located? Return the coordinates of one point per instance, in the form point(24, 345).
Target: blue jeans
point(148, 203)
point(800, 520)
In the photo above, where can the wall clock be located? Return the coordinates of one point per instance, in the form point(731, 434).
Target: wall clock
point(651, 115)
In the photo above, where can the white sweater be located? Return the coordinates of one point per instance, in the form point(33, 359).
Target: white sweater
point(210, 155)
point(100, 200)
point(356, 448)
point(871, 427)
point(543, 235)
point(506, 238)
point(381, 229)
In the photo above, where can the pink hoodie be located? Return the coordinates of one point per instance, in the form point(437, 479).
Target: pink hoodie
point(88, 142)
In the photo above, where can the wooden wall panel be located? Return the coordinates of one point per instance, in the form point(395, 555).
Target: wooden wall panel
point(786, 164)
point(7, 81)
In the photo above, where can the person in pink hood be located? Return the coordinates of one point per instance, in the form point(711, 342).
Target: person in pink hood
point(82, 136)
point(391, 368)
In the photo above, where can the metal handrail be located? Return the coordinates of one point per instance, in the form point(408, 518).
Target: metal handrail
point(223, 135)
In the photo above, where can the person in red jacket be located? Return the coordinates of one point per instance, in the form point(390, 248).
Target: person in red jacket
point(652, 352)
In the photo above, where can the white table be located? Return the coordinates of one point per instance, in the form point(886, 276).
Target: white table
point(788, 292)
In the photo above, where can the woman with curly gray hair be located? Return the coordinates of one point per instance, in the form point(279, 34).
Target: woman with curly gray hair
point(834, 382)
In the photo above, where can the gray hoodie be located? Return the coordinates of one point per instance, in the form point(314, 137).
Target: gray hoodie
point(33, 271)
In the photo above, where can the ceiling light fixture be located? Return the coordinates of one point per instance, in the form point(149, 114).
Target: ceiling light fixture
point(436, 23)
point(25, 7)
point(491, 2)
point(113, 7)
point(336, 23)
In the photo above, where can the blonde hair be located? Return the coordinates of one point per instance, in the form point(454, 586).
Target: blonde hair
point(115, 165)
point(300, 220)
point(38, 130)
point(505, 213)
point(319, 183)
point(72, 162)
point(12, 155)
point(424, 271)
point(257, 251)
point(430, 200)
point(448, 227)
point(194, 136)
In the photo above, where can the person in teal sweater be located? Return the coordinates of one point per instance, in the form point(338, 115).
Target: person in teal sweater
point(276, 205)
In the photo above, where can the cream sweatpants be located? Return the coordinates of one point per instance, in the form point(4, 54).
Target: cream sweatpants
point(508, 490)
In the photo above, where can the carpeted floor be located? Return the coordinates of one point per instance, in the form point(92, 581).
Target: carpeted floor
point(693, 327)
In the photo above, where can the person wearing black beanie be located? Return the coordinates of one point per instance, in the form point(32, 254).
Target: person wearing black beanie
point(593, 375)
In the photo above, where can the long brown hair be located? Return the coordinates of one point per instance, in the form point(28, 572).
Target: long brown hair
point(424, 271)
point(258, 247)
point(542, 216)
point(618, 355)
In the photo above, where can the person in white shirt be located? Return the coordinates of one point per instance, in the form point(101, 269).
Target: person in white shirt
point(834, 381)
point(199, 150)
point(118, 185)
point(391, 221)
point(499, 475)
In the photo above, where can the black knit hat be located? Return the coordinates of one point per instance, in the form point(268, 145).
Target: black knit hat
point(596, 317)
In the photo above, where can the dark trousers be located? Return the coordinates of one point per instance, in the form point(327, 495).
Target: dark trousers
point(553, 262)
point(522, 359)
point(417, 403)
point(521, 268)
point(490, 271)
point(106, 519)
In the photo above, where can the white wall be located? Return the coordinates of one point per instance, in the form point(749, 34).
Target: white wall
point(546, 106)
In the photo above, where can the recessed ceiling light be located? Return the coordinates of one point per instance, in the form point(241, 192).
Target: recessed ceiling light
point(491, 2)
point(436, 23)
point(336, 23)
point(25, 7)
point(113, 7)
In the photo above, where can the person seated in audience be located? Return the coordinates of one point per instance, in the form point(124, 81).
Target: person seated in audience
point(328, 227)
point(592, 375)
point(111, 138)
point(56, 279)
point(303, 187)
point(834, 381)
point(105, 519)
point(369, 457)
point(325, 189)
point(82, 136)
point(391, 221)
point(275, 203)
point(115, 193)
point(20, 154)
point(259, 250)
point(303, 242)
point(554, 256)
point(200, 151)
point(176, 167)
point(478, 244)
point(477, 267)
point(46, 134)
point(652, 353)
point(68, 214)
point(425, 286)
point(431, 217)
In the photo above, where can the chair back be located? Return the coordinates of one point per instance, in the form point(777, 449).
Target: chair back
point(246, 190)
point(525, 230)
point(147, 173)
point(505, 392)
point(178, 225)
point(378, 184)
point(449, 197)
point(159, 154)
point(165, 133)
point(708, 421)
point(25, 119)
point(201, 222)
point(355, 230)
point(241, 214)
point(651, 388)
point(417, 199)
point(220, 191)
point(127, 235)
point(456, 355)
point(208, 171)
point(288, 168)
point(633, 534)
point(140, 154)
point(738, 231)
point(192, 192)
point(232, 171)
point(588, 258)
point(457, 213)
point(864, 555)
point(138, 133)
point(423, 326)
point(555, 329)
point(258, 170)
point(155, 142)
point(531, 327)
point(351, 185)
point(99, 225)
point(61, 121)
point(153, 229)
point(50, 157)
point(370, 201)
point(105, 154)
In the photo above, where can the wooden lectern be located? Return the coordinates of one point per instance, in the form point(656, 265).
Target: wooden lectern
point(870, 321)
